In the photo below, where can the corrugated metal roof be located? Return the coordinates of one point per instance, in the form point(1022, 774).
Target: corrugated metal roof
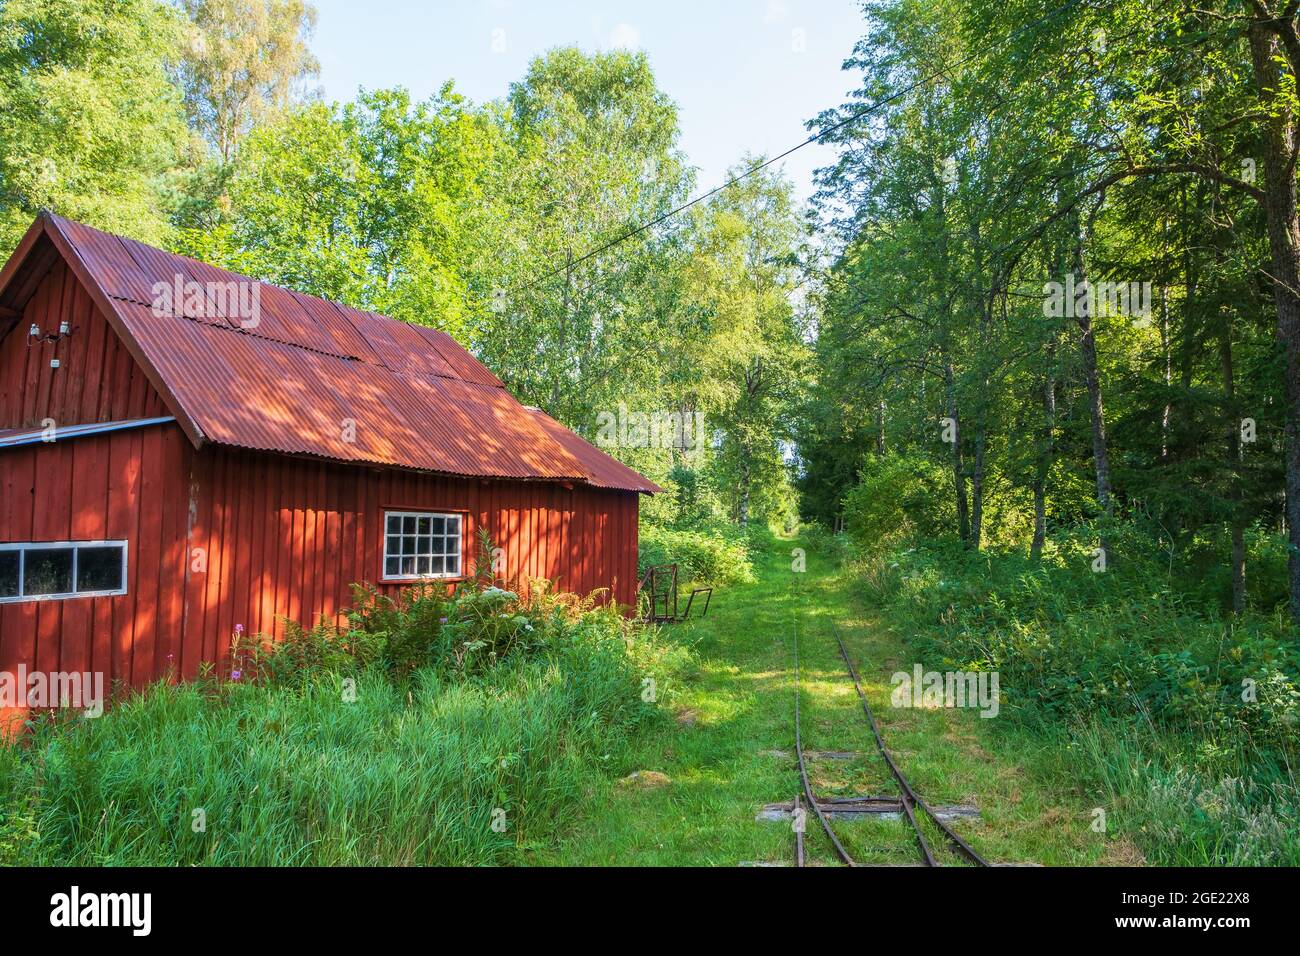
point(312, 377)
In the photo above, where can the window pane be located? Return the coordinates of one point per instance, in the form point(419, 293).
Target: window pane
point(408, 524)
point(453, 564)
point(453, 524)
point(408, 565)
point(439, 525)
point(394, 545)
point(437, 565)
point(394, 524)
point(8, 574)
point(408, 544)
point(423, 525)
point(392, 567)
point(47, 571)
point(99, 569)
point(425, 545)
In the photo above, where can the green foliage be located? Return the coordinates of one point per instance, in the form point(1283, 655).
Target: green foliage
point(1139, 641)
point(368, 203)
point(1134, 679)
point(701, 556)
point(897, 497)
point(243, 60)
point(291, 769)
point(1186, 803)
point(90, 124)
point(1103, 145)
point(486, 626)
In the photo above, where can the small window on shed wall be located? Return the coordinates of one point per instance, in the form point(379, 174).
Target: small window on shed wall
point(56, 570)
point(421, 545)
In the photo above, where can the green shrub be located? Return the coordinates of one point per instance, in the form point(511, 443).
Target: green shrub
point(702, 557)
point(484, 627)
point(817, 537)
point(899, 497)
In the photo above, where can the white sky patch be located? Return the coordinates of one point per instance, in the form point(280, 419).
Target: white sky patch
point(625, 37)
point(776, 11)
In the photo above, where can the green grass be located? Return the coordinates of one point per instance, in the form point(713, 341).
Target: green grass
point(233, 774)
point(1131, 683)
point(731, 749)
point(298, 774)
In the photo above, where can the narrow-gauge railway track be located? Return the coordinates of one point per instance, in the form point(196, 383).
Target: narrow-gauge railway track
point(909, 799)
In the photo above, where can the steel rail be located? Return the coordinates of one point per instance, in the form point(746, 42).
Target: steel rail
point(910, 797)
point(803, 769)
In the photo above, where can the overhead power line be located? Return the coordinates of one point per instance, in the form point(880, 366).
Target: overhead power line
point(816, 137)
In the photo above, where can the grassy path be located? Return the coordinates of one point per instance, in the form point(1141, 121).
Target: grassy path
point(731, 750)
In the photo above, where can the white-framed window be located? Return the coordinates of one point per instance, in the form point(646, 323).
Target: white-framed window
point(420, 545)
point(56, 570)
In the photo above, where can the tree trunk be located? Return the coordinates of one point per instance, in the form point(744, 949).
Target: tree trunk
point(565, 307)
point(1166, 354)
point(743, 508)
point(1232, 435)
point(1088, 352)
point(1284, 248)
point(1234, 459)
point(977, 489)
point(1045, 453)
point(958, 465)
point(880, 428)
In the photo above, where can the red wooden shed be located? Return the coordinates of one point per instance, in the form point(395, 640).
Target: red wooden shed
point(185, 451)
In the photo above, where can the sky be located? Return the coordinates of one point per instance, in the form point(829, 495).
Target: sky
point(745, 74)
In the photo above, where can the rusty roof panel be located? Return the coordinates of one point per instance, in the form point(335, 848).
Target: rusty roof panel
point(399, 346)
point(335, 322)
point(110, 263)
point(464, 365)
point(153, 266)
point(317, 378)
point(603, 470)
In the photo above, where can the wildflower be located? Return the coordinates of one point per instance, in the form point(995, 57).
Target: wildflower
point(235, 675)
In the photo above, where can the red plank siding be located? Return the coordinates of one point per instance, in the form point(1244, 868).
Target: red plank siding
point(219, 537)
point(97, 381)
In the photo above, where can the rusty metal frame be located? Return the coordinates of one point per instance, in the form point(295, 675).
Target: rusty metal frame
point(672, 614)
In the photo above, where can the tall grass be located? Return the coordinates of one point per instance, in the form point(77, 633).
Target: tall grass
point(319, 771)
point(1182, 719)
